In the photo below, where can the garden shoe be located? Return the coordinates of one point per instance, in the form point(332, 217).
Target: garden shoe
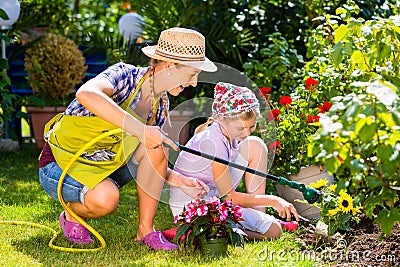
point(170, 234)
point(157, 241)
point(289, 226)
point(74, 232)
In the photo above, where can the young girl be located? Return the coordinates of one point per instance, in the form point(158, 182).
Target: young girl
point(227, 135)
point(133, 99)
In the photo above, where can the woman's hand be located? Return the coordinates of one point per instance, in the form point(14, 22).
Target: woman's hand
point(154, 137)
point(284, 208)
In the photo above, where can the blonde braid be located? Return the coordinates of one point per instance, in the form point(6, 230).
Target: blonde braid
point(154, 105)
point(203, 126)
point(166, 111)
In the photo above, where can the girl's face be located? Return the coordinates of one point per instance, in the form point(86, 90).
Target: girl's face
point(239, 129)
point(180, 77)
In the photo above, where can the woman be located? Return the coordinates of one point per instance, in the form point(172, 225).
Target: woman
point(135, 100)
point(226, 135)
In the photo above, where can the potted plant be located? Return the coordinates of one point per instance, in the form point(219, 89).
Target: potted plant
point(210, 225)
point(55, 65)
point(286, 128)
point(40, 16)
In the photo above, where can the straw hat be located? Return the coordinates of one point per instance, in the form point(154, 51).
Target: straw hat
point(182, 46)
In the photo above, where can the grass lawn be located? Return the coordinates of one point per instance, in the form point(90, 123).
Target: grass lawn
point(22, 199)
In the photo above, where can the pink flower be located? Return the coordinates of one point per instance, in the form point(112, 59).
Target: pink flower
point(228, 203)
point(202, 210)
point(176, 219)
point(223, 212)
point(237, 211)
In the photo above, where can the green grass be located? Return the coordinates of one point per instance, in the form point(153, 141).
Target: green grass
point(22, 199)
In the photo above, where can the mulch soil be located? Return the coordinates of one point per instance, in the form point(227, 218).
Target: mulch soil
point(362, 246)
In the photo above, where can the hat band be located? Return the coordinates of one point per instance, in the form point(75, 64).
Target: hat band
point(182, 58)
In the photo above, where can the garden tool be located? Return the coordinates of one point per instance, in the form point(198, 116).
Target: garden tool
point(309, 194)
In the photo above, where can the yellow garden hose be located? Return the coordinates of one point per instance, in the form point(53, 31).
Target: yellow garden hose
point(73, 214)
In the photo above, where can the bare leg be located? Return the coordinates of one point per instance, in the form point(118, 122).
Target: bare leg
point(273, 232)
point(100, 201)
point(254, 150)
point(150, 180)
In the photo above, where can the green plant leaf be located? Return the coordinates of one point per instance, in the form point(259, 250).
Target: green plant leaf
point(366, 128)
point(370, 203)
point(373, 182)
point(340, 33)
point(386, 219)
point(332, 163)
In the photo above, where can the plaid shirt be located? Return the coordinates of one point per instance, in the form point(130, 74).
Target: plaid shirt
point(124, 78)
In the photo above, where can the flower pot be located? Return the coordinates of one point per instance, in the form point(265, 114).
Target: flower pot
point(39, 117)
point(214, 247)
point(305, 176)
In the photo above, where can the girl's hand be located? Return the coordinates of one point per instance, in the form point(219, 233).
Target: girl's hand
point(190, 186)
point(194, 187)
point(284, 208)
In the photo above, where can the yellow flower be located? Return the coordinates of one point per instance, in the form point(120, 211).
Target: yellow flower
point(356, 210)
point(332, 187)
point(333, 212)
point(345, 202)
point(319, 184)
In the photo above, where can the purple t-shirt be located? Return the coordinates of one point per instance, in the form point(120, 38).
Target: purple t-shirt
point(211, 141)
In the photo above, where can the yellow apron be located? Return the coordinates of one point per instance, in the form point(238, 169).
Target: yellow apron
point(67, 134)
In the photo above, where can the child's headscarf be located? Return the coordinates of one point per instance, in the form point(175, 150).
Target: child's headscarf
point(232, 101)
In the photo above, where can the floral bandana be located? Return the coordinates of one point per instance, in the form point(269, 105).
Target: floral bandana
point(232, 101)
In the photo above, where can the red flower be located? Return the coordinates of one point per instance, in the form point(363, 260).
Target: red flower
point(310, 83)
point(285, 100)
point(264, 90)
point(274, 145)
point(327, 105)
point(311, 119)
point(273, 114)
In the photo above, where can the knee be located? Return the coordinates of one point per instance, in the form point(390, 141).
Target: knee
point(257, 144)
point(157, 156)
point(274, 231)
point(102, 203)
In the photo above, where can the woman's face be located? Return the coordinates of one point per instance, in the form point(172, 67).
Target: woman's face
point(239, 129)
point(180, 77)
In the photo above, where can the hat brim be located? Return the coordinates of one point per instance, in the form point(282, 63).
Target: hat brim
point(204, 65)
